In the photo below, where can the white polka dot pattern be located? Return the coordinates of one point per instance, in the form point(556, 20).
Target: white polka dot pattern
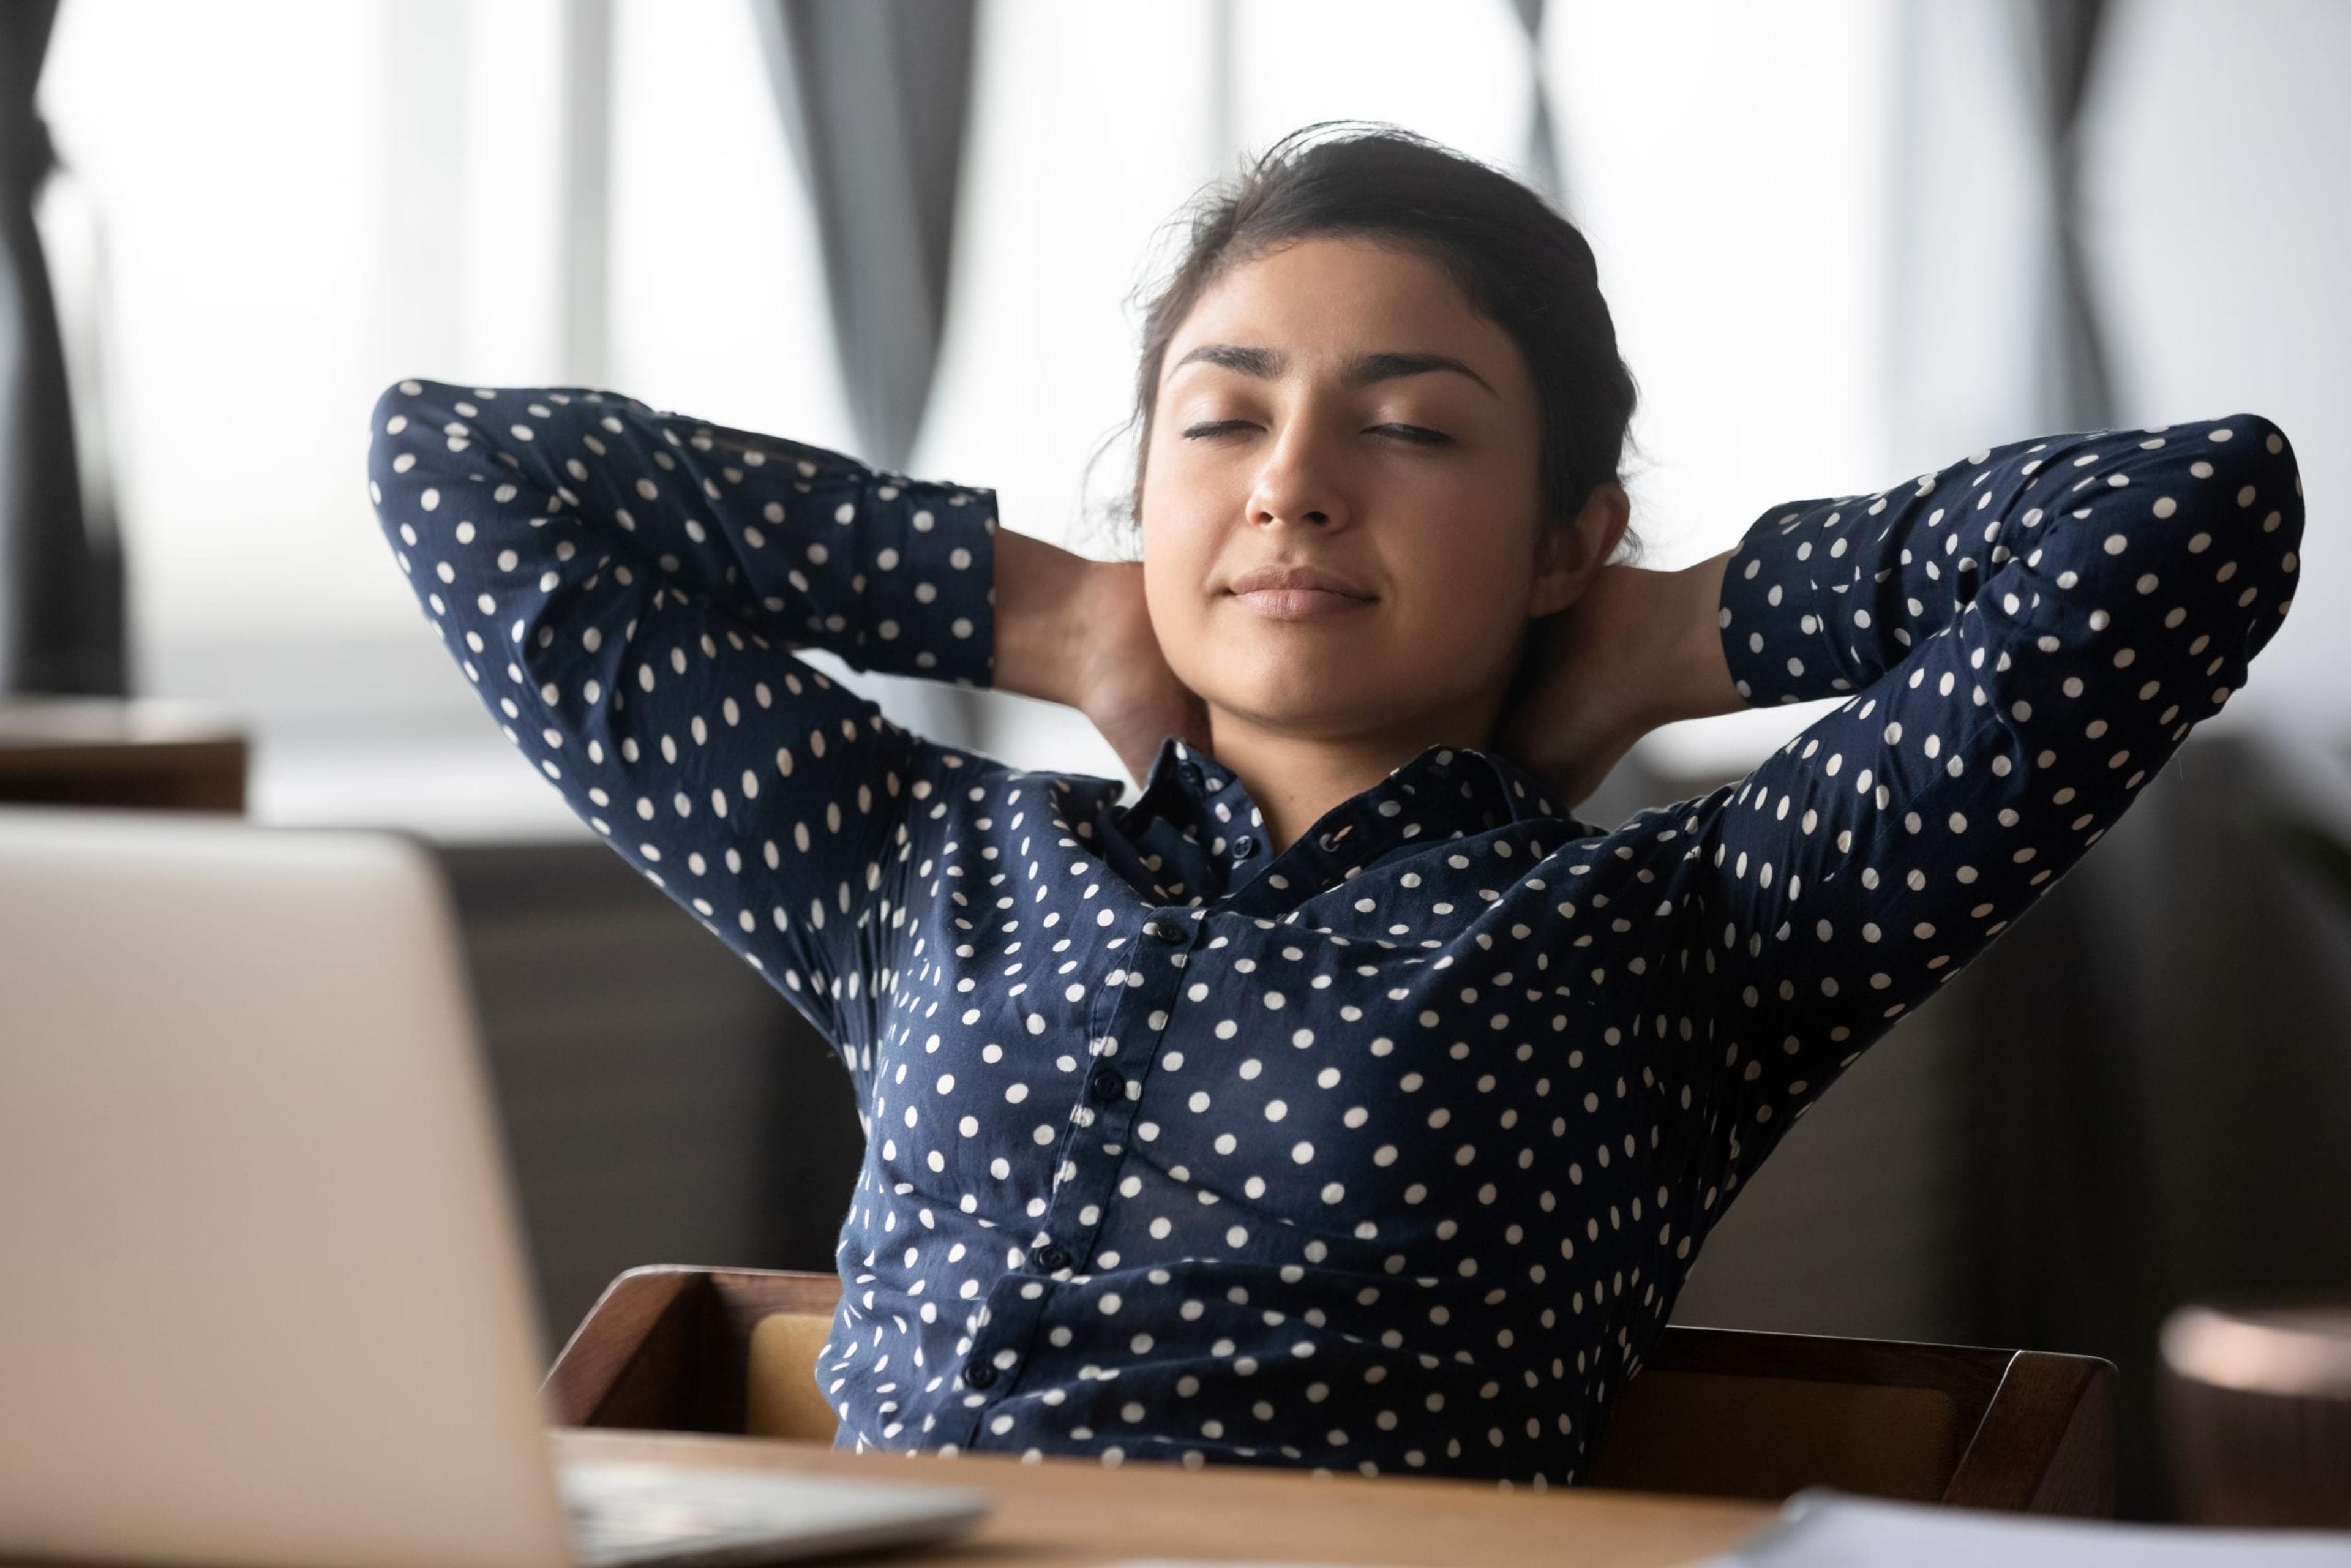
point(1388, 1153)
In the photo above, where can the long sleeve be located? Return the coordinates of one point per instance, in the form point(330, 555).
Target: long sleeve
point(625, 587)
point(2026, 636)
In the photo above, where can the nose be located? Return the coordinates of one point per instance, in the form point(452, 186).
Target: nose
point(1298, 484)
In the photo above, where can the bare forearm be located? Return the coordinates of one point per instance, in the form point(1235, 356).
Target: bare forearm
point(1039, 592)
point(1693, 679)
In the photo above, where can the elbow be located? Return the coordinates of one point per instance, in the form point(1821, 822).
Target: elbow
point(423, 441)
point(399, 407)
point(399, 404)
point(2249, 481)
point(2239, 520)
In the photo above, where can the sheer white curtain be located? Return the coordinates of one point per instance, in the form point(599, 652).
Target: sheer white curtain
point(2218, 140)
point(235, 151)
point(305, 202)
point(1731, 167)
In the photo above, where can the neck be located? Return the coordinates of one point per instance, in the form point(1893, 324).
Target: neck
point(1295, 779)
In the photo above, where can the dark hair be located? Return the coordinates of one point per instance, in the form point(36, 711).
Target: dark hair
point(1514, 256)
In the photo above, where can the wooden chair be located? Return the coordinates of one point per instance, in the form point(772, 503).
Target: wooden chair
point(1714, 1412)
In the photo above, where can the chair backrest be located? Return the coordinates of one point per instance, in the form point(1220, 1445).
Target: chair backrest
point(1714, 1412)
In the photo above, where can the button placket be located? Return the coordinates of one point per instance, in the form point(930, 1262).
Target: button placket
point(1104, 1117)
point(1008, 1322)
point(1314, 863)
point(1010, 1318)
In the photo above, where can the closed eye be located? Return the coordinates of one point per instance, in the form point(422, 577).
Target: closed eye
point(1418, 434)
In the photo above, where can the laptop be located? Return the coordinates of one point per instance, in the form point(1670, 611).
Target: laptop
point(263, 1297)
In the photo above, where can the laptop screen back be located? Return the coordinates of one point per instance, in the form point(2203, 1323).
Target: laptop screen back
point(261, 1289)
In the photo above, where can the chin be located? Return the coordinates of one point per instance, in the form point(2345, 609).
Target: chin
point(1307, 707)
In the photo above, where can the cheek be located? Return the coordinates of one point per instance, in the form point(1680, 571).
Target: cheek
point(1172, 576)
point(1179, 542)
point(1462, 554)
point(1464, 598)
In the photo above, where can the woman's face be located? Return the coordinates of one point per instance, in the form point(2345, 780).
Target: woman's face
point(1338, 403)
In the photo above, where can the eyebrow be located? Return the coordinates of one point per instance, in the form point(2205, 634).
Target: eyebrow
point(1361, 370)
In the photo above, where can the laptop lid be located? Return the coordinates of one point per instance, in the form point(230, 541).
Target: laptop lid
point(262, 1297)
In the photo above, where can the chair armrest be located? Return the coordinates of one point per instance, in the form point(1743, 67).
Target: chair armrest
point(666, 1346)
point(636, 1322)
point(2046, 1443)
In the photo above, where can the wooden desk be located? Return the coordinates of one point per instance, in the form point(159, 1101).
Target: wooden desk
point(141, 752)
point(1079, 1511)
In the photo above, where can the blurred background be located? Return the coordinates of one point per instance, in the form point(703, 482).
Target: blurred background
point(1845, 241)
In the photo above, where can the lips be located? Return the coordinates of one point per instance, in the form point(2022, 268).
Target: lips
point(1296, 577)
point(1299, 603)
point(1297, 591)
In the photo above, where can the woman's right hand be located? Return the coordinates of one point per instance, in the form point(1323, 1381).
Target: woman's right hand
point(1123, 682)
point(1075, 631)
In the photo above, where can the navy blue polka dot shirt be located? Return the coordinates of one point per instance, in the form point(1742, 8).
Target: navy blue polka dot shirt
point(1389, 1151)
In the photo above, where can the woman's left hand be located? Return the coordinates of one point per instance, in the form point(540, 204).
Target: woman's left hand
point(1640, 648)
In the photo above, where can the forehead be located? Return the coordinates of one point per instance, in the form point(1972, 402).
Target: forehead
point(1331, 296)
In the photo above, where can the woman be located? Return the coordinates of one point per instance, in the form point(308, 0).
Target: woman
point(1342, 1101)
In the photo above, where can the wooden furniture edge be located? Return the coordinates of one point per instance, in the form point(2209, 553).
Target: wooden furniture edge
point(654, 1335)
point(627, 1319)
point(652, 1326)
point(2022, 1460)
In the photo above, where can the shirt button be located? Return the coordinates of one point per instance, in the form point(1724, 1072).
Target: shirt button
point(1164, 930)
point(1106, 1085)
point(1051, 1257)
point(978, 1374)
point(1243, 847)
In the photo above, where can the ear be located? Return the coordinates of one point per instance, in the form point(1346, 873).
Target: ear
point(1569, 558)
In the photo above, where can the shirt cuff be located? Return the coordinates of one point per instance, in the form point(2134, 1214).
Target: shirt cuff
point(930, 581)
point(1775, 618)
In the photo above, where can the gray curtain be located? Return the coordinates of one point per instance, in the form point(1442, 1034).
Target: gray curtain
point(1542, 149)
point(2060, 39)
point(62, 627)
point(876, 96)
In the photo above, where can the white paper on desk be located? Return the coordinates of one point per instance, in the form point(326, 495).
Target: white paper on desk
point(1827, 1529)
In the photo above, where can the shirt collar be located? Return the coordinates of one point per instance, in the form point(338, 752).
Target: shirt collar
point(1183, 782)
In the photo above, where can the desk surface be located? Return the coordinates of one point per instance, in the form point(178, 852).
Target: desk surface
point(1078, 1511)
